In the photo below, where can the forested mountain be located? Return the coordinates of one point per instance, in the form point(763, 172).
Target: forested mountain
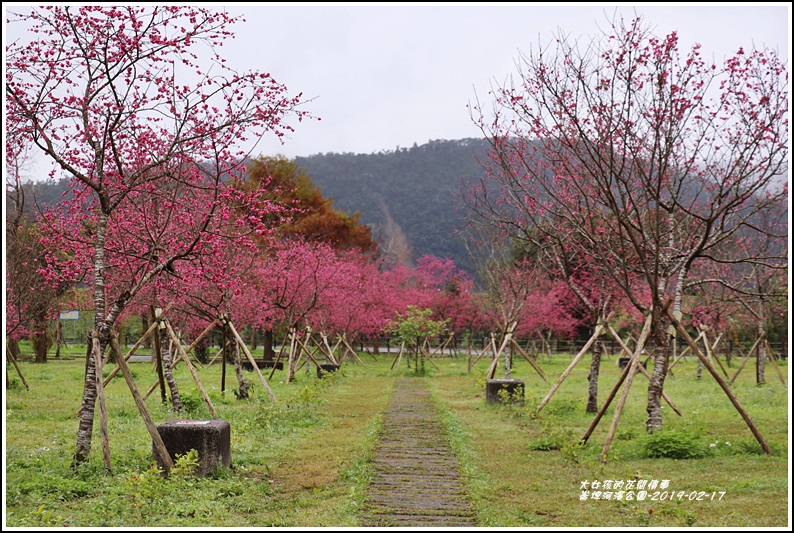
point(408, 195)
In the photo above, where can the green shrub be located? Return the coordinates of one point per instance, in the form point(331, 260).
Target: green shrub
point(675, 444)
point(193, 404)
point(554, 437)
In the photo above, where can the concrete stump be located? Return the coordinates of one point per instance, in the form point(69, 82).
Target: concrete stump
point(326, 368)
point(262, 363)
point(513, 387)
point(210, 438)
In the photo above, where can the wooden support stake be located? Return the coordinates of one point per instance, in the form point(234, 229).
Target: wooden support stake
point(612, 394)
point(353, 352)
point(212, 361)
point(644, 372)
point(159, 445)
point(224, 359)
point(13, 360)
point(634, 364)
point(682, 354)
point(306, 351)
point(329, 352)
point(100, 395)
point(131, 352)
point(495, 362)
point(582, 352)
point(291, 356)
point(278, 356)
point(711, 355)
point(251, 360)
point(725, 386)
point(747, 357)
point(399, 356)
point(529, 359)
point(203, 334)
point(485, 349)
point(191, 369)
point(424, 354)
point(773, 357)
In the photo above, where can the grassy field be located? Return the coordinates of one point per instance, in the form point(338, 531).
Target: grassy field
point(304, 462)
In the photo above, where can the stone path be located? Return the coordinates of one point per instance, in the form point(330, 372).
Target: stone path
point(416, 481)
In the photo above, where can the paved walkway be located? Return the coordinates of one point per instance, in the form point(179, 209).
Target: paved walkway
point(416, 481)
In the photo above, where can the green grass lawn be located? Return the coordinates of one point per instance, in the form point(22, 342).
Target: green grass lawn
point(526, 469)
point(304, 462)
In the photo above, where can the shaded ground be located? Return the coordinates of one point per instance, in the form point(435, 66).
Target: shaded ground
point(416, 481)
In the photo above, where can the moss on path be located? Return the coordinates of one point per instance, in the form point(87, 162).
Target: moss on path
point(416, 480)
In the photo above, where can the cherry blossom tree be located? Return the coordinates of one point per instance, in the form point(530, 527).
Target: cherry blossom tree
point(138, 108)
point(647, 156)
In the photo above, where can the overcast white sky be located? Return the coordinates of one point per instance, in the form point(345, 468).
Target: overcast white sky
point(383, 75)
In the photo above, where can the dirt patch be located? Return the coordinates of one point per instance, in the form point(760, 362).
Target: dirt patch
point(416, 480)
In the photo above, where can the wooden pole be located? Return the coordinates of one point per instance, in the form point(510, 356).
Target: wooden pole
point(353, 352)
point(424, 354)
point(100, 393)
point(157, 353)
point(611, 396)
point(489, 374)
point(644, 372)
point(682, 354)
point(203, 334)
point(725, 386)
point(399, 356)
point(634, 364)
point(13, 360)
point(711, 355)
point(131, 352)
point(529, 359)
point(396, 358)
point(159, 445)
point(223, 353)
point(191, 369)
point(291, 355)
point(471, 364)
point(278, 357)
point(773, 357)
point(187, 351)
point(747, 357)
point(251, 360)
point(582, 352)
point(329, 352)
point(306, 350)
point(212, 361)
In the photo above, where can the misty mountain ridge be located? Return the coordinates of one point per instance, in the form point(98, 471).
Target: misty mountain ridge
point(408, 196)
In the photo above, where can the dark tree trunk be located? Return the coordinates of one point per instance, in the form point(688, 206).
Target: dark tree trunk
point(267, 346)
point(41, 340)
point(58, 338)
point(761, 355)
point(158, 361)
point(238, 369)
point(86, 425)
point(592, 378)
point(661, 356)
point(165, 350)
point(147, 344)
point(254, 342)
point(13, 346)
point(202, 351)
